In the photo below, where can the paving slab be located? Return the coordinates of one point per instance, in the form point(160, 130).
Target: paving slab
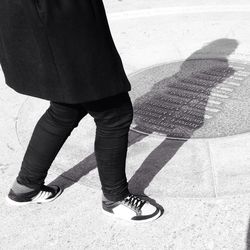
point(198, 174)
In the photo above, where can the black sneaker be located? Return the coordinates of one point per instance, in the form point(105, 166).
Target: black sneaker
point(44, 194)
point(131, 208)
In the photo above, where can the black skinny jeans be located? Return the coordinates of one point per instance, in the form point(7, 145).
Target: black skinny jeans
point(112, 116)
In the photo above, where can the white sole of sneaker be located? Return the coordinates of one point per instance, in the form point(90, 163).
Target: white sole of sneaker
point(133, 221)
point(15, 203)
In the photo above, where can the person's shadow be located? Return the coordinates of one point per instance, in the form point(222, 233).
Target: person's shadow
point(175, 107)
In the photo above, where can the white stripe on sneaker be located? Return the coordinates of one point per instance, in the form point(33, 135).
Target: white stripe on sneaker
point(37, 196)
point(42, 195)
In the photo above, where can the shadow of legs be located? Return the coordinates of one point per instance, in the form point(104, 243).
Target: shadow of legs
point(152, 165)
point(73, 175)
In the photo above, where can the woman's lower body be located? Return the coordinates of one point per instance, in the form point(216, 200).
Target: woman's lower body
point(112, 115)
point(68, 56)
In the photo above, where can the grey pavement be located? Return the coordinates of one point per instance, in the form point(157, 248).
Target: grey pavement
point(200, 176)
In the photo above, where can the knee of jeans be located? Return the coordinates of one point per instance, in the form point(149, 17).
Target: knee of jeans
point(63, 116)
point(118, 125)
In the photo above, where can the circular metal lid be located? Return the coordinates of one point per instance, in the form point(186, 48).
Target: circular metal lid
point(195, 98)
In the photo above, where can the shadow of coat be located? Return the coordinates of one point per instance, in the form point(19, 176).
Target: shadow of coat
point(176, 106)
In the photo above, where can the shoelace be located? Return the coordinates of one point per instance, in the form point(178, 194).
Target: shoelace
point(134, 202)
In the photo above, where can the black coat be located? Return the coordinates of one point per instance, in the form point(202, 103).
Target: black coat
point(59, 50)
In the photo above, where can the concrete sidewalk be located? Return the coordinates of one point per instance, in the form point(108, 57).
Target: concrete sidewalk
point(202, 182)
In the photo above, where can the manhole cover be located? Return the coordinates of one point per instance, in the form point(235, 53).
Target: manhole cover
point(196, 98)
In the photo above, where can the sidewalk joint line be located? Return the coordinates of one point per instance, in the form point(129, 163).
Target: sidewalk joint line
point(213, 170)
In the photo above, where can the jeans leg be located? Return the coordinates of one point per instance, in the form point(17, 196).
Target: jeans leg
point(49, 135)
point(113, 117)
